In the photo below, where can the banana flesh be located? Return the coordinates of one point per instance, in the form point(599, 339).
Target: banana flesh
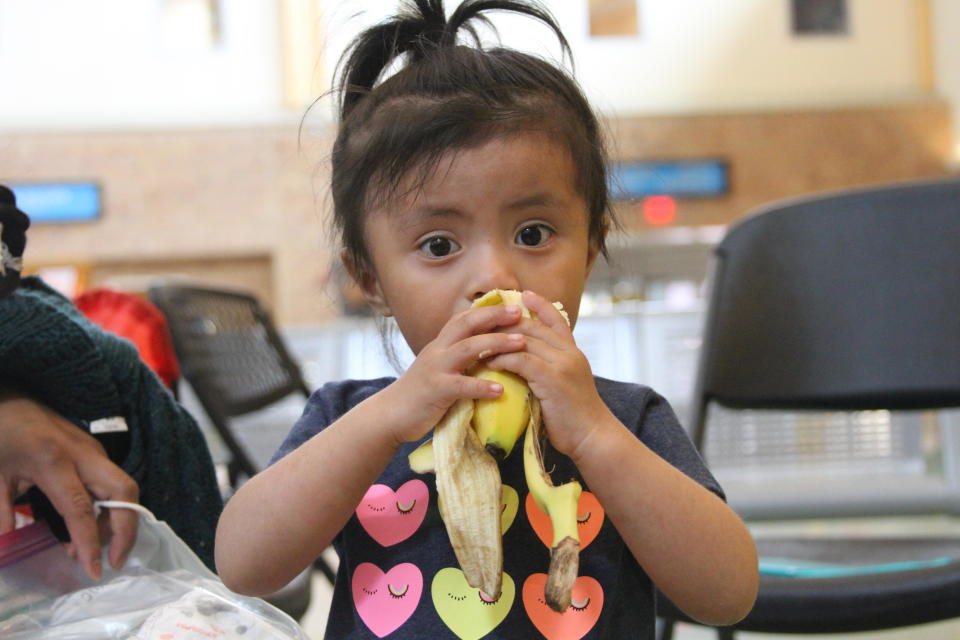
point(462, 453)
point(501, 421)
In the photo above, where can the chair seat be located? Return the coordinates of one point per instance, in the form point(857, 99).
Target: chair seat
point(294, 598)
point(875, 598)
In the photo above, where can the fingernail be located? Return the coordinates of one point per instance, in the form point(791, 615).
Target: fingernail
point(515, 337)
point(496, 387)
point(512, 309)
point(97, 569)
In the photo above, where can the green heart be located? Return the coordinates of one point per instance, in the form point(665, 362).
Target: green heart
point(464, 609)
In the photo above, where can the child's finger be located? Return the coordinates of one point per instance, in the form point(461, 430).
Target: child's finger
point(470, 350)
point(468, 387)
point(528, 366)
point(479, 320)
point(546, 312)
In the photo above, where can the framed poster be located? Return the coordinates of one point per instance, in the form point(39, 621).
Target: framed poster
point(614, 18)
point(819, 17)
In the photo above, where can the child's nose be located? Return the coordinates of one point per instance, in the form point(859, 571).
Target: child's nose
point(494, 271)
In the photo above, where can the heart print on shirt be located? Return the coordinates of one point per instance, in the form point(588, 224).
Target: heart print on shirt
point(393, 516)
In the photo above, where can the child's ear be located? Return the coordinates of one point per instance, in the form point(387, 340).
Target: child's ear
point(368, 283)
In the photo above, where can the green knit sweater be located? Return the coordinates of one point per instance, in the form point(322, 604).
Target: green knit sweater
point(50, 350)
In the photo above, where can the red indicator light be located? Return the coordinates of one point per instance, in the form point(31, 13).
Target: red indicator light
point(659, 210)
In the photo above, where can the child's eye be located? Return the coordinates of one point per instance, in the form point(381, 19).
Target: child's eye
point(534, 235)
point(438, 246)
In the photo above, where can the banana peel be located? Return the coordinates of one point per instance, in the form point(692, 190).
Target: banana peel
point(560, 504)
point(468, 484)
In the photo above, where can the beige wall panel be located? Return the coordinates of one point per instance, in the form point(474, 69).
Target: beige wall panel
point(774, 155)
point(246, 207)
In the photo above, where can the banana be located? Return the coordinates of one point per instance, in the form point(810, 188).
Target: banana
point(501, 421)
point(421, 459)
point(466, 445)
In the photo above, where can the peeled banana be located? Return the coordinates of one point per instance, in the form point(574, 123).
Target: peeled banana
point(466, 445)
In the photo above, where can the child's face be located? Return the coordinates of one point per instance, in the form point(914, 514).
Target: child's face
point(502, 215)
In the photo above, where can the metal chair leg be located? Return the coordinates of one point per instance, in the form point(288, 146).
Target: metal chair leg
point(665, 629)
point(325, 569)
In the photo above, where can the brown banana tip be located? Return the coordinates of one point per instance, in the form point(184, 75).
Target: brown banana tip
point(499, 453)
point(564, 565)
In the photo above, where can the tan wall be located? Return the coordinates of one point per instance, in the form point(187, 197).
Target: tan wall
point(775, 155)
point(238, 207)
point(232, 207)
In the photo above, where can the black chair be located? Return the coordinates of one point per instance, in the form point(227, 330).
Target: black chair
point(848, 301)
point(236, 363)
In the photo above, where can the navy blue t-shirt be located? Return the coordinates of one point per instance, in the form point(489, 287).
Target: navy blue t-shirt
point(399, 578)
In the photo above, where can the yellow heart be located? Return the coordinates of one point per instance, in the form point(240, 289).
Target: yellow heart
point(468, 613)
point(509, 504)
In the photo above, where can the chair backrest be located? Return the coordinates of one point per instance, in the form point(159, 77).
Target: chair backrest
point(231, 354)
point(843, 301)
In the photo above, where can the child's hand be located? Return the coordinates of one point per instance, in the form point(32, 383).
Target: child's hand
point(558, 374)
point(436, 378)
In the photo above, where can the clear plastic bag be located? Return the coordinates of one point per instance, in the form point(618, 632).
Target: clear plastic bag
point(164, 592)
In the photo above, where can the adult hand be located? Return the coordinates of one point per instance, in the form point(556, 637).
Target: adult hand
point(39, 447)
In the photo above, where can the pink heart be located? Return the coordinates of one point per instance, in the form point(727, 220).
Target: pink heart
point(393, 516)
point(386, 600)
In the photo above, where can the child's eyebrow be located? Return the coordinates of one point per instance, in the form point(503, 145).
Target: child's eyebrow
point(418, 215)
point(421, 214)
point(536, 200)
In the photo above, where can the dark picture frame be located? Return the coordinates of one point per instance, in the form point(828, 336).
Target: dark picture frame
point(819, 17)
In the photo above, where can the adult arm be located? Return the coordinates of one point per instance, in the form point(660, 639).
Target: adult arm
point(39, 447)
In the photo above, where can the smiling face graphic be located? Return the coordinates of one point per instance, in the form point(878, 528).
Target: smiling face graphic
point(393, 516)
point(574, 623)
point(469, 612)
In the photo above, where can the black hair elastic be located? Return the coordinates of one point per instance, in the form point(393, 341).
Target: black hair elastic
point(13, 240)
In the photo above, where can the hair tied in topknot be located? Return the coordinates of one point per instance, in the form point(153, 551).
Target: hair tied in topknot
point(421, 28)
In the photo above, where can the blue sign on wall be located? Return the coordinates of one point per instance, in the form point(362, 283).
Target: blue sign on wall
point(47, 202)
point(680, 179)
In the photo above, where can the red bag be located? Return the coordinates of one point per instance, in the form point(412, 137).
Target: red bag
point(138, 320)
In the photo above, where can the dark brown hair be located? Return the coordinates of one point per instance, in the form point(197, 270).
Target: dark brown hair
point(449, 96)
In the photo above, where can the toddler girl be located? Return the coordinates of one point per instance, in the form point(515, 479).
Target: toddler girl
point(470, 169)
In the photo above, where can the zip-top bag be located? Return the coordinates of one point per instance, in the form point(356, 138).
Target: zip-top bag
point(163, 592)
